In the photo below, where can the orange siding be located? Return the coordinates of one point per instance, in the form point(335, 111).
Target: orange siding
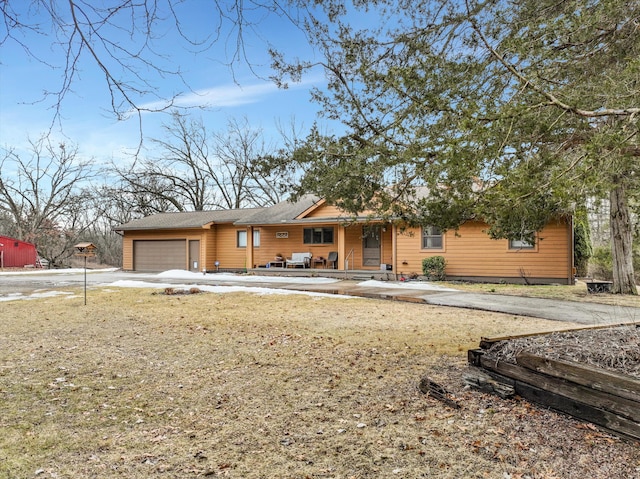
point(471, 253)
point(216, 244)
point(228, 253)
point(208, 247)
point(353, 241)
point(326, 211)
point(270, 245)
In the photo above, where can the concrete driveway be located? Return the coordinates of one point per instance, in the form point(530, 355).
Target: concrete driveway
point(582, 313)
point(26, 283)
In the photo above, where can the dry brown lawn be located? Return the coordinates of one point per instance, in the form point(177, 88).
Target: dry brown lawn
point(137, 384)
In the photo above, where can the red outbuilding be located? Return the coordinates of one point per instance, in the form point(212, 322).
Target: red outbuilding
point(17, 254)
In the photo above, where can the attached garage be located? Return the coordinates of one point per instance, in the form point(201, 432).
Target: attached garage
point(159, 255)
point(189, 240)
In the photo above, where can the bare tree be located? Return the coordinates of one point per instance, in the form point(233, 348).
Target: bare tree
point(182, 166)
point(107, 211)
point(236, 169)
point(197, 170)
point(43, 196)
point(123, 39)
point(119, 203)
point(177, 180)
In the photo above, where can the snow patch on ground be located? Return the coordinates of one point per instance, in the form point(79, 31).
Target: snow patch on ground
point(56, 271)
point(243, 278)
point(211, 282)
point(35, 295)
point(216, 289)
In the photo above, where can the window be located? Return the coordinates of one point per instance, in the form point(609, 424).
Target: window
point(521, 244)
point(318, 236)
point(241, 238)
point(431, 237)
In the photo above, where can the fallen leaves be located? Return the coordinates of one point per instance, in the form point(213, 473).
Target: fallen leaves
point(267, 390)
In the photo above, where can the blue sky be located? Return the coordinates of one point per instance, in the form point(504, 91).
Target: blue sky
point(86, 118)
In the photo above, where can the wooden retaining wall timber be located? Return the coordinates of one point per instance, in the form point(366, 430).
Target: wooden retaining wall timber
point(605, 398)
point(486, 343)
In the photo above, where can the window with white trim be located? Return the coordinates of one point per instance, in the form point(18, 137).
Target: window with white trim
point(241, 238)
point(431, 237)
point(521, 244)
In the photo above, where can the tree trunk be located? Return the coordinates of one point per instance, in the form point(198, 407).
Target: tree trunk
point(621, 242)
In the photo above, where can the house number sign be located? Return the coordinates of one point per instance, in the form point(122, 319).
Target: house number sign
point(282, 234)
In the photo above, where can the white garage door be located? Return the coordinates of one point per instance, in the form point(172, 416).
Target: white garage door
point(159, 255)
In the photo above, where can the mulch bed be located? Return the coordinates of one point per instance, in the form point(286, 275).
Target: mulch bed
point(616, 349)
point(590, 373)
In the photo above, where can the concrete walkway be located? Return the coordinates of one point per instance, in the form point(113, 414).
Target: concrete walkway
point(555, 310)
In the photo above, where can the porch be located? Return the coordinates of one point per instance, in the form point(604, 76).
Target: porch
point(354, 274)
point(360, 251)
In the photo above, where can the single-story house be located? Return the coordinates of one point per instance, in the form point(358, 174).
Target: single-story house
point(15, 253)
point(247, 239)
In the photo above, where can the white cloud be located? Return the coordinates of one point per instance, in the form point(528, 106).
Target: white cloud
point(228, 95)
point(216, 97)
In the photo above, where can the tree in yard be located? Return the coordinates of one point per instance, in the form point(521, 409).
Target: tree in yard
point(176, 181)
point(513, 112)
point(198, 170)
point(582, 247)
point(43, 197)
point(237, 170)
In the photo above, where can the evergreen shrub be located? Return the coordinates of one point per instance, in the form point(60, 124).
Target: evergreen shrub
point(582, 249)
point(601, 263)
point(434, 268)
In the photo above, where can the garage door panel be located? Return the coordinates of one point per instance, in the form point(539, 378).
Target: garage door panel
point(159, 255)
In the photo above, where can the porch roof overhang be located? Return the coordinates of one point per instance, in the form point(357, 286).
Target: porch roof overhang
point(295, 213)
point(329, 220)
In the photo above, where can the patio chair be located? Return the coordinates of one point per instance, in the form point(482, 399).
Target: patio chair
point(299, 259)
point(332, 259)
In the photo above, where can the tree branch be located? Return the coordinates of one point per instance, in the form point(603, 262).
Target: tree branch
point(528, 83)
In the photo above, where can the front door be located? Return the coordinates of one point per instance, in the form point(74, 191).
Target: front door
point(194, 255)
point(371, 246)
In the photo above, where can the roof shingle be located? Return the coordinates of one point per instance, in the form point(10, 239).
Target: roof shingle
point(283, 212)
point(187, 219)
